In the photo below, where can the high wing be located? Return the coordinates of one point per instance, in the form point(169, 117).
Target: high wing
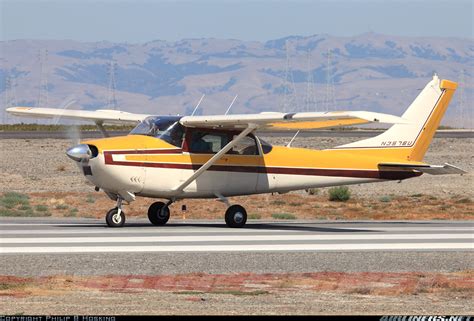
point(262, 121)
point(290, 121)
point(100, 116)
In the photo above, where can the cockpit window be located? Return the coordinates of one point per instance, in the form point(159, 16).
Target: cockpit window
point(166, 128)
point(266, 147)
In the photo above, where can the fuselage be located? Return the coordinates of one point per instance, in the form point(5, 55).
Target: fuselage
point(151, 167)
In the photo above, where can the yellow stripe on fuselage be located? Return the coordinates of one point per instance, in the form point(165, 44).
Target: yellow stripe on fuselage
point(279, 156)
point(129, 142)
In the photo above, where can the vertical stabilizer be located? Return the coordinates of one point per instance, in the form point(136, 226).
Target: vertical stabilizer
point(412, 140)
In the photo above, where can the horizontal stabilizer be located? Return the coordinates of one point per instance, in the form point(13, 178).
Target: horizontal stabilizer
point(424, 168)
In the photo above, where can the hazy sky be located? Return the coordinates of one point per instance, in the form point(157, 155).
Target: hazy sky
point(141, 21)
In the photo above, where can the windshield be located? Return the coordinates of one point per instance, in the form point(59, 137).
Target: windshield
point(166, 128)
point(266, 147)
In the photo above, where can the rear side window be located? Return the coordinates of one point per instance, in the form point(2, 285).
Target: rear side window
point(246, 146)
point(205, 143)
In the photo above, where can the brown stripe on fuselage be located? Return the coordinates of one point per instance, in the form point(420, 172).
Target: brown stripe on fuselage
point(388, 175)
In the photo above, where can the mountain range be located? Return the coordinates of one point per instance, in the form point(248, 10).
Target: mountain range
point(316, 73)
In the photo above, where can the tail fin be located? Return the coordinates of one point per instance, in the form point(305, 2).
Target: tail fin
point(424, 114)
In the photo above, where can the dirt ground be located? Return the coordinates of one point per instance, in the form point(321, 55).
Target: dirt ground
point(41, 165)
point(49, 184)
point(244, 293)
point(40, 169)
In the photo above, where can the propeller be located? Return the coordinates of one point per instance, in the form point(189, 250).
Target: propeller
point(72, 131)
point(78, 152)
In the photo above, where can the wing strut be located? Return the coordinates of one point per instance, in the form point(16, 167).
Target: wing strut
point(101, 127)
point(216, 157)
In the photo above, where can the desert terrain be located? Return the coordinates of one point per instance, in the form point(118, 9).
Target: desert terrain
point(38, 180)
point(53, 184)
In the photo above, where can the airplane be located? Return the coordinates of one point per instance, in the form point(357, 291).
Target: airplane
point(219, 156)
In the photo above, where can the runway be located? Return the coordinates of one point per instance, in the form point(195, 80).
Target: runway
point(86, 245)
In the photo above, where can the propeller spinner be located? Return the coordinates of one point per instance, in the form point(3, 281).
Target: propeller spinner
point(79, 153)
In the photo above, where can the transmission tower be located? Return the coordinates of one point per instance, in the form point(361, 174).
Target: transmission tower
point(310, 101)
point(330, 100)
point(43, 85)
point(289, 98)
point(111, 100)
point(462, 112)
point(10, 96)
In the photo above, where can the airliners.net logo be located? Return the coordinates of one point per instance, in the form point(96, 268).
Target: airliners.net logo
point(426, 318)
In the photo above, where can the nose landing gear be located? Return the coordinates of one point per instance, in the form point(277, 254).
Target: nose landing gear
point(116, 216)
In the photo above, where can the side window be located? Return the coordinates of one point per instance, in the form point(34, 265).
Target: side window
point(246, 146)
point(202, 142)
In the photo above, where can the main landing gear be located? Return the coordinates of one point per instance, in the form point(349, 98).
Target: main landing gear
point(159, 213)
point(235, 216)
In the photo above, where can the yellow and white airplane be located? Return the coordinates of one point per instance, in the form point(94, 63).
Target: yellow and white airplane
point(176, 157)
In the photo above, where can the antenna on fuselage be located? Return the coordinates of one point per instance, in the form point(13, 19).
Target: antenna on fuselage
point(230, 106)
point(294, 137)
point(197, 106)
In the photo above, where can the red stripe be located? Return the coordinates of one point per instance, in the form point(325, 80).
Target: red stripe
point(146, 151)
point(392, 175)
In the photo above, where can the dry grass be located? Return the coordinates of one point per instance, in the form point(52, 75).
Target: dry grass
point(301, 206)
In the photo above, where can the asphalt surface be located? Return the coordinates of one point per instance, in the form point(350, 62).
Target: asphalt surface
point(37, 246)
point(316, 133)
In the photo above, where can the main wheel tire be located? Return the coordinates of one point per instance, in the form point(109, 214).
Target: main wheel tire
point(113, 219)
point(158, 213)
point(235, 216)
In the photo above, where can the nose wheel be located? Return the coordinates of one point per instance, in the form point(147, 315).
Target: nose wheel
point(115, 217)
point(236, 216)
